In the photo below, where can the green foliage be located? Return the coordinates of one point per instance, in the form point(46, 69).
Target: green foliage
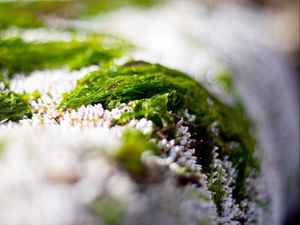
point(135, 143)
point(161, 95)
point(13, 106)
point(33, 13)
point(17, 55)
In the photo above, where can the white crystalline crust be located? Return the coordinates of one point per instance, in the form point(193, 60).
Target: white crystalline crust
point(55, 164)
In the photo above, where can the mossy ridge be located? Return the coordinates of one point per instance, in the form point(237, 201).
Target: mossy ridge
point(161, 94)
point(16, 55)
point(30, 14)
point(14, 106)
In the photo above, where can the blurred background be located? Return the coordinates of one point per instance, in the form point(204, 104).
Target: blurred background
point(257, 39)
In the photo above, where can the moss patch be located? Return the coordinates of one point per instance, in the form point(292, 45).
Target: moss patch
point(34, 13)
point(135, 143)
point(13, 106)
point(107, 210)
point(161, 95)
point(225, 78)
point(17, 55)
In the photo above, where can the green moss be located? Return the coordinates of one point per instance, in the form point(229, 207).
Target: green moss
point(154, 109)
point(33, 13)
point(17, 55)
point(217, 191)
point(161, 95)
point(206, 222)
point(18, 14)
point(2, 148)
point(107, 210)
point(13, 106)
point(195, 194)
point(261, 203)
point(4, 81)
point(135, 143)
point(92, 7)
point(225, 78)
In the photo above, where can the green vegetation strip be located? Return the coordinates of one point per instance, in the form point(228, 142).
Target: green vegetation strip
point(16, 55)
point(161, 95)
point(13, 106)
point(30, 14)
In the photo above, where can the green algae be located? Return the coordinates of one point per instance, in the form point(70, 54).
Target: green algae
point(31, 14)
point(16, 55)
point(135, 143)
point(161, 94)
point(13, 106)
